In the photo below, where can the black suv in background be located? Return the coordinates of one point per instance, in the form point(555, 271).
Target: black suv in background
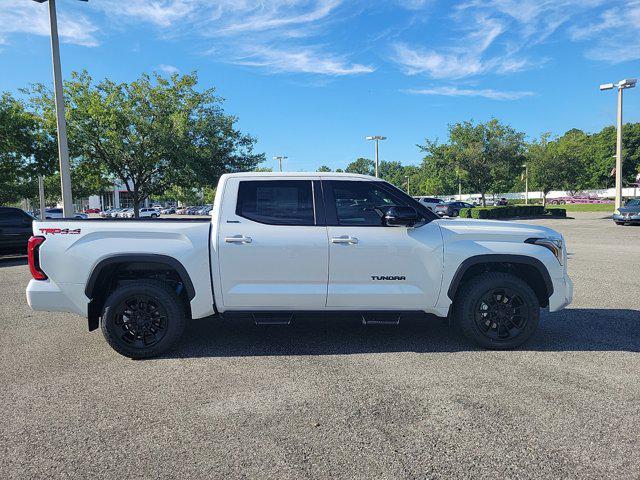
point(451, 209)
point(15, 230)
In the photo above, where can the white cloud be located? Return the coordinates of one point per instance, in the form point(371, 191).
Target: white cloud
point(255, 33)
point(466, 92)
point(469, 58)
point(301, 60)
point(169, 69)
point(17, 16)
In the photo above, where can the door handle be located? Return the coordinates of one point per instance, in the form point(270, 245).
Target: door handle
point(238, 239)
point(344, 239)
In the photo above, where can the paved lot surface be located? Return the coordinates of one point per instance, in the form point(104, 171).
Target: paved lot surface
point(330, 399)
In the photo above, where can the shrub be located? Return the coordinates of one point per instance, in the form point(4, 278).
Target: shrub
point(503, 212)
point(558, 212)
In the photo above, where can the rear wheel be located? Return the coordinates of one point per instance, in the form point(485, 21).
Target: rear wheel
point(455, 213)
point(143, 319)
point(497, 311)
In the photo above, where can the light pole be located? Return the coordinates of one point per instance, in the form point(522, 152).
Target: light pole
point(63, 148)
point(526, 184)
point(408, 190)
point(621, 85)
point(280, 158)
point(376, 138)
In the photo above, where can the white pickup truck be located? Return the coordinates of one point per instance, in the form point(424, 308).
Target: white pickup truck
point(280, 245)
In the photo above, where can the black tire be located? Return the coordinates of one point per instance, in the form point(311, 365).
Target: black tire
point(507, 324)
point(152, 331)
point(619, 223)
point(455, 213)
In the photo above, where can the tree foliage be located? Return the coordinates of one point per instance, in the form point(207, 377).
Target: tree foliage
point(151, 134)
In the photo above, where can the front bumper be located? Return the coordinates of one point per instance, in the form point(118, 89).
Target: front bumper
point(618, 217)
point(562, 293)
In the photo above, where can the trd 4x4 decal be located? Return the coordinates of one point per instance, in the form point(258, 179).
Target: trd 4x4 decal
point(61, 231)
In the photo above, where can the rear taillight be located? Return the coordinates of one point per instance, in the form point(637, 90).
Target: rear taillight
point(33, 249)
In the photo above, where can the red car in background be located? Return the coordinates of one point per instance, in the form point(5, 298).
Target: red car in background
point(582, 199)
point(92, 210)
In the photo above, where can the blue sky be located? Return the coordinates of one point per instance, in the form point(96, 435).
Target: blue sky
point(312, 78)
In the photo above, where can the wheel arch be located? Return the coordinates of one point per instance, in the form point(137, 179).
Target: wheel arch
point(529, 269)
point(142, 265)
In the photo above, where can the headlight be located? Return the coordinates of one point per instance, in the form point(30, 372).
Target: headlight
point(555, 245)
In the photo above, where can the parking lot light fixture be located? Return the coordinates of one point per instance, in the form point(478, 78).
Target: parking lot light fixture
point(621, 85)
point(63, 147)
point(280, 158)
point(376, 138)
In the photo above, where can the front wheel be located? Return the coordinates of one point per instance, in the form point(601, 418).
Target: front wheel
point(143, 319)
point(455, 213)
point(496, 310)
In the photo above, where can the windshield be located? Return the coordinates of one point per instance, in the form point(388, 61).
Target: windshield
point(633, 203)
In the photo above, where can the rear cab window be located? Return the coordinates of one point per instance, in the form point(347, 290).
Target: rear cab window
point(276, 202)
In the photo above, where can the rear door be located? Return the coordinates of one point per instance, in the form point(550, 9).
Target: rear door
point(373, 266)
point(272, 245)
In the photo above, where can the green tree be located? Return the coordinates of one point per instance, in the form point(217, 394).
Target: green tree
point(557, 164)
point(362, 166)
point(323, 168)
point(25, 150)
point(152, 133)
point(435, 175)
point(489, 155)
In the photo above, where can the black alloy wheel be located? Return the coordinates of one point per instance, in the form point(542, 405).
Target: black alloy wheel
point(496, 310)
point(501, 314)
point(142, 321)
point(143, 318)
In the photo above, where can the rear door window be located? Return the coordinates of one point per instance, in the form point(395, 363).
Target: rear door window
point(276, 202)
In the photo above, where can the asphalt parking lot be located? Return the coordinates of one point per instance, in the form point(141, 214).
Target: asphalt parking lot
point(328, 398)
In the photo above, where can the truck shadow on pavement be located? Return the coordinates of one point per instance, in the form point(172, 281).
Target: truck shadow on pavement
point(12, 260)
point(314, 334)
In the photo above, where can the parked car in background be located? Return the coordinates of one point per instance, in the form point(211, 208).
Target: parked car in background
point(629, 214)
point(53, 213)
point(204, 210)
point(503, 202)
point(429, 202)
point(451, 209)
point(110, 213)
point(578, 199)
point(168, 210)
point(123, 213)
point(147, 213)
point(15, 230)
point(183, 210)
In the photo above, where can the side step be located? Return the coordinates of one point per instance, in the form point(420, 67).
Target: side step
point(272, 318)
point(381, 318)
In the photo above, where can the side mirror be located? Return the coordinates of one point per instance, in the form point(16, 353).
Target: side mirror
point(401, 217)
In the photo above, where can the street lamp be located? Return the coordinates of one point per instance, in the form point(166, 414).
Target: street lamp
point(621, 85)
point(63, 147)
point(280, 158)
point(376, 138)
point(526, 183)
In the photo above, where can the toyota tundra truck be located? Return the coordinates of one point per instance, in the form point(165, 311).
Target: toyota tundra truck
point(279, 245)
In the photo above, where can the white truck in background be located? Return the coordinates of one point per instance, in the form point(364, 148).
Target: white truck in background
point(278, 245)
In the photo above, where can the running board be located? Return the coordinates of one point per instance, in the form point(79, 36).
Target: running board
point(381, 318)
point(272, 318)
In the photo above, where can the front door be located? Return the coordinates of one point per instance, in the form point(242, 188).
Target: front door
point(373, 266)
point(273, 250)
